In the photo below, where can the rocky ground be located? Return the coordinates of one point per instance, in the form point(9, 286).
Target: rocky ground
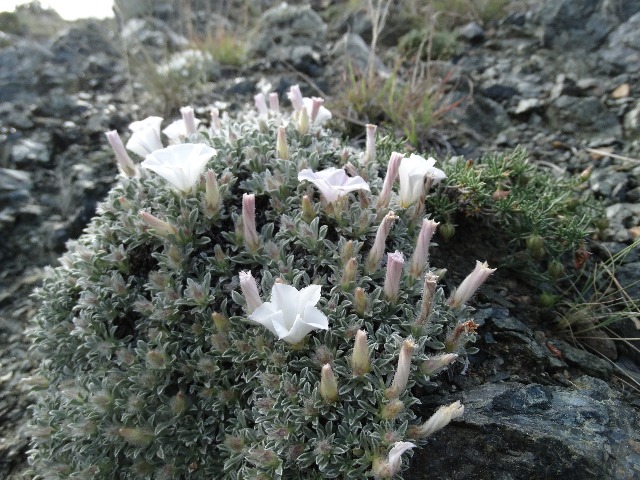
point(560, 77)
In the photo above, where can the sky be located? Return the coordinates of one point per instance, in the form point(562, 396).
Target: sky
point(68, 9)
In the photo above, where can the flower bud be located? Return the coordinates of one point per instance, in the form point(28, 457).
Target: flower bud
point(137, 436)
point(212, 194)
point(251, 239)
point(389, 179)
point(401, 376)
point(162, 228)
point(555, 269)
point(535, 244)
point(377, 251)
point(215, 121)
point(303, 121)
point(308, 213)
point(328, 385)
point(249, 289)
point(221, 322)
point(438, 420)
point(348, 251)
point(426, 305)
point(179, 404)
point(383, 468)
point(470, 284)
point(434, 364)
point(274, 102)
point(360, 362)
point(360, 301)
point(189, 119)
point(421, 253)
point(316, 104)
point(392, 409)
point(349, 274)
point(122, 157)
point(282, 149)
point(395, 263)
point(295, 96)
point(261, 104)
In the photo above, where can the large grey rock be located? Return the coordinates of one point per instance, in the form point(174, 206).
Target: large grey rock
point(19, 63)
point(15, 186)
point(511, 431)
point(352, 51)
point(583, 115)
point(623, 45)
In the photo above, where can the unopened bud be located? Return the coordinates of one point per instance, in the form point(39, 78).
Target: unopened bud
point(162, 228)
point(349, 274)
point(189, 119)
point(360, 301)
point(303, 122)
point(261, 104)
point(360, 362)
point(401, 377)
point(308, 213)
point(433, 365)
point(137, 436)
point(535, 244)
point(395, 264)
point(282, 149)
point(421, 252)
point(428, 293)
point(392, 409)
point(377, 251)
point(274, 102)
point(251, 239)
point(438, 420)
point(179, 404)
point(328, 385)
point(370, 145)
point(212, 194)
point(348, 251)
point(447, 231)
point(122, 157)
point(555, 269)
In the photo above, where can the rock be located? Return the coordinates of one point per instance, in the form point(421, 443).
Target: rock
point(511, 431)
point(604, 183)
point(283, 29)
point(499, 92)
point(632, 122)
point(351, 51)
point(623, 46)
point(472, 33)
point(33, 150)
point(15, 186)
point(19, 63)
point(478, 113)
point(529, 105)
point(580, 116)
point(585, 361)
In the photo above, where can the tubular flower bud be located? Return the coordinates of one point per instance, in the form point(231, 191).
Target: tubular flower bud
point(189, 119)
point(384, 468)
point(249, 289)
point(295, 96)
point(392, 409)
point(377, 251)
point(137, 436)
point(308, 213)
point(426, 306)
point(392, 174)
point(251, 238)
point(261, 104)
point(282, 149)
point(421, 253)
point(212, 194)
point(438, 420)
point(303, 121)
point(122, 157)
point(470, 284)
point(328, 384)
point(395, 263)
point(215, 121)
point(348, 251)
point(220, 321)
point(274, 102)
point(349, 274)
point(360, 362)
point(162, 228)
point(370, 145)
point(401, 377)
point(360, 301)
point(433, 365)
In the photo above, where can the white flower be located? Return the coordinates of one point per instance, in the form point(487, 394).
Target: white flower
point(146, 136)
point(291, 314)
point(412, 173)
point(333, 182)
point(470, 284)
point(390, 466)
point(181, 165)
point(318, 114)
point(438, 420)
point(177, 131)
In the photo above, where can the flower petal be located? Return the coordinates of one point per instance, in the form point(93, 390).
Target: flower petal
point(267, 315)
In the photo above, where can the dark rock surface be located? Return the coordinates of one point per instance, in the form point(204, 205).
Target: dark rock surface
point(544, 76)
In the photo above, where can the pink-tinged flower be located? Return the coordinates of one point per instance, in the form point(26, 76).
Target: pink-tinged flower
point(421, 253)
point(146, 136)
point(295, 96)
point(401, 377)
point(282, 148)
point(377, 251)
point(438, 420)
point(274, 102)
point(215, 121)
point(370, 144)
point(251, 239)
point(178, 131)
point(392, 173)
point(395, 263)
point(181, 165)
point(434, 364)
point(360, 359)
point(328, 384)
point(291, 314)
point(162, 228)
point(470, 284)
point(318, 114)
point(261, 104)
point(189, 119)
point(122, 157)
point(250, 293)
point(412, 172)
point(384, 468)
point(333, 182)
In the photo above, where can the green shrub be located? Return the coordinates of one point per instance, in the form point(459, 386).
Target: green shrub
point(155, 361)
